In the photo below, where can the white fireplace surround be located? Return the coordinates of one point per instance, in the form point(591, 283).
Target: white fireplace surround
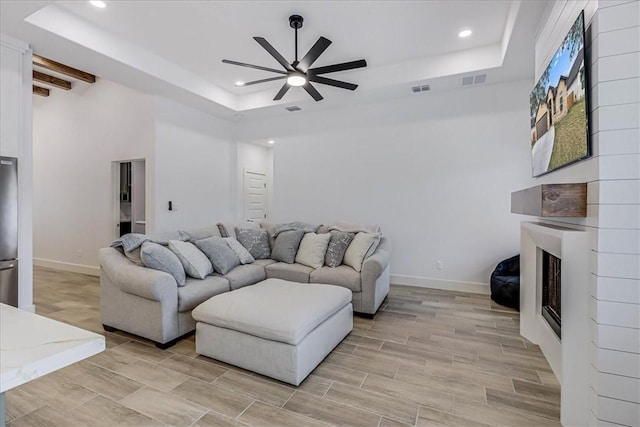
point(569, 357)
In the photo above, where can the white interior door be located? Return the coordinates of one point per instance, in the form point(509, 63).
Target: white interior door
point(255, 196)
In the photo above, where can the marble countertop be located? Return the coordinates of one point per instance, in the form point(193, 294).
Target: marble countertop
point(32, 346)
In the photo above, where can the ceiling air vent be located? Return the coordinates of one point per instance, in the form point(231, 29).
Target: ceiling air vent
point(480, 78)
point(293, 108)
point(421, 88)
point(470, 80)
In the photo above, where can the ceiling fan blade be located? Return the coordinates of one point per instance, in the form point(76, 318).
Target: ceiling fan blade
point(281, 92)
point(339, 67)
point(316, 50)
point(312, 91)
point(332, 82)
point(257, 67)
point(270, 79)
point(273, 52)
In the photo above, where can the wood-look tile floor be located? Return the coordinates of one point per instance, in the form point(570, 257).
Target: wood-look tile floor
point(428, 358)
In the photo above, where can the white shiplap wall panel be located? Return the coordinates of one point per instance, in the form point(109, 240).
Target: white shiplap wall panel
point(617, 337)
point(616, 362)
point(613, 210)
point(625, 191)
point(615, 313)
point(621, 116)
point(618, 241)
point(616, 92)
point(616, 289)
point(620, 141)
point(619, 166)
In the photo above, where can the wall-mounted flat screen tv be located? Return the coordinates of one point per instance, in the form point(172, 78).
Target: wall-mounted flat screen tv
point(559, 107)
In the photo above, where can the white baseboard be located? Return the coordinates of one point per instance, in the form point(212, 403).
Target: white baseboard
point(30, 308)
point(67, 266)
point(450, 285)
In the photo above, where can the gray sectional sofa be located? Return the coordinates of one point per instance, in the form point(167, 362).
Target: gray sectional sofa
point(149, 303)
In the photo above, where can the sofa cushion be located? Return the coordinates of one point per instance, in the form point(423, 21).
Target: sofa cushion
point(256, 242)
point(342, 275)
point(158, 257)
point(238, 249)
point(359, 249)
point(286, 246)
point(274, 309)
point(197, 291)
point(312, 250)
point(297, 225)
point(337, 247)
point(195, 263)
point(264, 262)
point(244, 275)
point(163, 237)
point(292, 272)
point(202, 232)
point(219, 253)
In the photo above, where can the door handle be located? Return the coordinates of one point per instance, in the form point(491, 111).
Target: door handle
point(7, 268)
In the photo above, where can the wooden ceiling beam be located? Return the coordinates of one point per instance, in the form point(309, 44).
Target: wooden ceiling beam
point(40, 91)
point(51, 80)
point(63, 69)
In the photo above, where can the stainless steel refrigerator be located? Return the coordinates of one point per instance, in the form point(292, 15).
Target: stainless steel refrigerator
point(9, 230)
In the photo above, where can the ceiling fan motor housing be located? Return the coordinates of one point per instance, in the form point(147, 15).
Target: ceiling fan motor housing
point(295, 21)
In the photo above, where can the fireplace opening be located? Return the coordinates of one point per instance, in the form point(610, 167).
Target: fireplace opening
point(551, 291)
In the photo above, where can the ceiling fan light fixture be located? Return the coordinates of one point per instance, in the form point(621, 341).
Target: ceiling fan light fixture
point(296, 79)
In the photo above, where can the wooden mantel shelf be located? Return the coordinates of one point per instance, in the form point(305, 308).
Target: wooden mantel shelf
point(549, 200)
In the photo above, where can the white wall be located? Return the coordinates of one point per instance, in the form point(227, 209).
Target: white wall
point(435, 171)
point(77, 134)
point(613, 176)
point(15, 141)
point(195, 167)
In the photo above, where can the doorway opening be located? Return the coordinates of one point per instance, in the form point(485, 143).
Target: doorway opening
point(129, 197)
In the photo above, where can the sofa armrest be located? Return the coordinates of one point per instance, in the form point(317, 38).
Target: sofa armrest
point(133, 279)
point(374, 278)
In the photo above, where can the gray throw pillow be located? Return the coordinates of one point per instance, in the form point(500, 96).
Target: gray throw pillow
point(286, 246)
point(256, 242)
point(134, 256)
point(238, 249)
point(195, 263)
point(337, 247)
point(219, 253)
point(160, 258)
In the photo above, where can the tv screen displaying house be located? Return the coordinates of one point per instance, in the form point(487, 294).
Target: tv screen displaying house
point(559, 112)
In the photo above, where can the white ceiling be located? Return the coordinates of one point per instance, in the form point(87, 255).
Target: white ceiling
point(175, 48)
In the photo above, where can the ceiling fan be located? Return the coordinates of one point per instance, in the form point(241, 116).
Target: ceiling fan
point(298, 73)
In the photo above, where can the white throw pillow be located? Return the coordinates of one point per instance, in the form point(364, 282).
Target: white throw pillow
point(359, 249)
point(195, 263)
point(312, 250)
point(241, 251)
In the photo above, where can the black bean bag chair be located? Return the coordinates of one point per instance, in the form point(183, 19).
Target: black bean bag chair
point(505, 283)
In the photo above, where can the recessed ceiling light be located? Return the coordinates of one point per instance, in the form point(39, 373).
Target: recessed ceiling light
point(271, 141)
point(239, 83)
point(98, 3)
point(464, 33)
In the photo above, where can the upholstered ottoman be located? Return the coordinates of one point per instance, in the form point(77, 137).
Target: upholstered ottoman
point(277, 328)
